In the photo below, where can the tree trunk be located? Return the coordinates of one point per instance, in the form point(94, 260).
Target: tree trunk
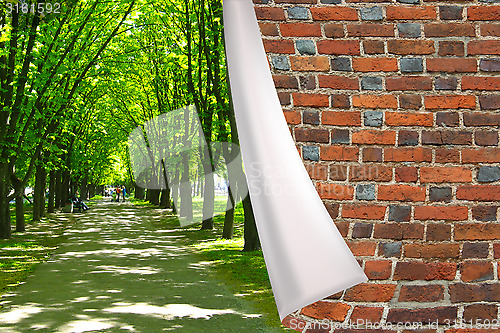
point(5, 227)
point(58, 192)
point(52, 188)
point(186, 210)
point(251, 236)
point(139, 192)
point(20, 223)
point(65, 187)
point(227, 231)
point(154, 197)
point(165, 199)
point(84, 189)
point(39, 193)
point(208, 200)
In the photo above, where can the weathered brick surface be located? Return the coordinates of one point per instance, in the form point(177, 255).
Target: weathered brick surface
point(395, 108)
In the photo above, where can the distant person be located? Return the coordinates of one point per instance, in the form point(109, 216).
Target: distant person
point(124, 192)
point(118, 192)
point(113, 195)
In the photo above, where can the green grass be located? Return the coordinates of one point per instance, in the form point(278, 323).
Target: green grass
point(244, 272)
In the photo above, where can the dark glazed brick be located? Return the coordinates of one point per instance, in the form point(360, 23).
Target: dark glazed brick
point(486, 138)
point(488, 174)
point(341, 64)
point(331, 2)
point(285, 98)
point(412, 65)
point(440, 194)
point(362, 230)
point(365, 192)
point(298, 13)
point(450, 12)
point(307, 83)
point(447, 119)
point(489, 102)
point(490, 65)
point(371, 14)
point(484, 213)
point(310, 153)
point(280, 63)
point(410, 2)
point(410, 101)
point(409, 30)
point(451, 48)
point(446, 137)
point(340, 136)
point(399, 213)
point(311, 117)
point(407, 138)
point(371, 83)
point(306, 47)
point(340, 101)
point(373, 118)
point(390, 250)
point(449, 83)
point(475, 250)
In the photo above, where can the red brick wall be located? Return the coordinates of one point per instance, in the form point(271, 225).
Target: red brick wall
point(394, 106)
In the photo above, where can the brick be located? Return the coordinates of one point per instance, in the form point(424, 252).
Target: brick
point(446, 83)
point(375, 101)
point(334, 30)
point(410, 101)
point(311, 117)
point(366, 314)
point(300, 29)
point(410, 47)
point(371, 14)
point(450, 119)
point(409, 30)
point(476, 47)
point(406, 174)
point(370, 30)
point(440, 194)
point(450, 12)
point(483, 13)
point(450, 102)
point(372, 83)
point(312, 135)
point(451, 65)
point(451, 48)
point(475, 250)
point(316, 171)
point(424, 315)
point(378, 269)
point(313, 100)
point(476, 271)
point(334, 311)
point(365, 192)
point(447, 213)
point(336, 13)
point(362, 230)
point(335, 191)
point(285, 81)
point(268, 29)
point(371, 172)
point(333, 211)
point(285, 98)
point(490, 29)
point(373, 46)
point(307, 82)
point(372, 154)
point(460, 292)
point(370, 292)
point(481, 155)
point(375, 64)
point(409, 119)
point(316, 64)
point(310, 153)
point(363, 212)
point(438, 232)
point(341, 64)
point(443, 251)
point(390, 250)
point(372, 137)
point(373, 118)
point(270, 13)
point(399, 231)
point(341, 118)
point(338, 172)
point(496, 250)
point(340, 101)
point(449, 30)
point(411, 13)
point(445, 175)
point(292, 117)
point(425, 271)
point(362, 248)
point(409, 83)
point(333, 153)
point(399, 213)
point(401, 193)
point(298, 13)
point(489, 65)
point(338, 82)
point(416, 293)
point(411, 65)
point(484, 213)
point(340, 136)
point(480, 83)
point(488, 174)
point(477, 231)
point(407, 138)
point(306, 47)
point(280, 63)
point(407, 155)
point(278, 46)
point(474, 312)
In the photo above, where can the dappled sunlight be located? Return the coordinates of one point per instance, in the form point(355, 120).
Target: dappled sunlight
point(126, 270)
point(17, 314)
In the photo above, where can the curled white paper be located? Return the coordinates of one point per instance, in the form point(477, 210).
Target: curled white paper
point(306, 257)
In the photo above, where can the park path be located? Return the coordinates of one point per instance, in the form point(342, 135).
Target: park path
point(116, 271)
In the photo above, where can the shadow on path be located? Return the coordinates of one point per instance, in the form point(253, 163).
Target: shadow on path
point(116, 272)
